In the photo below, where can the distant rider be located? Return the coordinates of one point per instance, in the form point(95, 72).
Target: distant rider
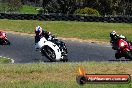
point(115, 37)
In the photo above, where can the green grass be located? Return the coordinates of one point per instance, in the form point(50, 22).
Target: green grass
point(49, 84)
point(25, 9)
point(4, 60)
point(28, 9)
point(59, 75)
point(70, 29)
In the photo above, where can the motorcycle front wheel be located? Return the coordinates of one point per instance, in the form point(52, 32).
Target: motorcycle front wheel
point(117, 55)
point(128, 55)
point(7, 42)
point(49, 53)
point(4, 42)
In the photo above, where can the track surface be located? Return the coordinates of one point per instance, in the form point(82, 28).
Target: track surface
point(22, 50)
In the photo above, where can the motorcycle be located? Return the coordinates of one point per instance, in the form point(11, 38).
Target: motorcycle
point(3, 39)
point(123, 49)
point(53, 49)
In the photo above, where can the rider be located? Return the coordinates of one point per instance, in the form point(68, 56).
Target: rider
point(114, 36)
point(114, 39)
point(40, 32)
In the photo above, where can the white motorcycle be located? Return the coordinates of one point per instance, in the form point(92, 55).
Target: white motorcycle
point(54, 50)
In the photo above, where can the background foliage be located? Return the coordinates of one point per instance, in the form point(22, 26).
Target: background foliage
point(103, 7)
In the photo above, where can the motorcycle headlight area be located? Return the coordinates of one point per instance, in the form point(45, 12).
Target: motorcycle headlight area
point(3, 34)
point(122, 44)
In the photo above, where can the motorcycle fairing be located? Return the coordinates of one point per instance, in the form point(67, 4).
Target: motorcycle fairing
point(44, 42)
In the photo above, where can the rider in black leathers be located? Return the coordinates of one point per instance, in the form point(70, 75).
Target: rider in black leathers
point(115, 37)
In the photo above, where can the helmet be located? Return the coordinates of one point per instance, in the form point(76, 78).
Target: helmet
point(113, 34)
point(49, 33)
point(37, 30)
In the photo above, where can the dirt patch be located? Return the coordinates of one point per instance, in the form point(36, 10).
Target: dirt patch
point(86, 40)
point(71, 39)
point(17, 33)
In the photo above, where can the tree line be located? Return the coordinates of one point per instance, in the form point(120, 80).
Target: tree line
point(104, 7)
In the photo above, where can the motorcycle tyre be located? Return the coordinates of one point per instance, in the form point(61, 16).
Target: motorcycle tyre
point(44, 52)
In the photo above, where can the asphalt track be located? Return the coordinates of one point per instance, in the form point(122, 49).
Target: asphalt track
point(22, 50)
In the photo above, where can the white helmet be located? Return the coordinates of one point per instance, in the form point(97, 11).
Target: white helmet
point(38, 28)
point(49, 33)
point(113, 33)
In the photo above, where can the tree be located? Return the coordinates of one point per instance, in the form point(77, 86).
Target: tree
point(14, 5)
point(62, 6)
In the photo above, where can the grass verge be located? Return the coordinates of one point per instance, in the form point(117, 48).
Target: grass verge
point(5, 60)
point(59, 75)
point(70, 29)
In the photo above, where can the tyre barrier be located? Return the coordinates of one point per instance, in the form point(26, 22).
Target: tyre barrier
point(63, 17)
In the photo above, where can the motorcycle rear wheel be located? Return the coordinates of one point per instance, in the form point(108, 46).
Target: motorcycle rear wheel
point(4, 42)
point(7, 42)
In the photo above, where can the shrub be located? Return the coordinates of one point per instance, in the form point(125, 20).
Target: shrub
point(88, 11)
point(40, 10)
